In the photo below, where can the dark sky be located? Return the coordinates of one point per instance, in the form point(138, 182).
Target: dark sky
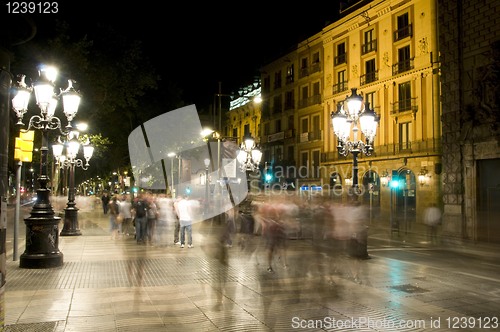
point(198, 46)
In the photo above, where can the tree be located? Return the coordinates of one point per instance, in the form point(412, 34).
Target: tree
point(117, 80)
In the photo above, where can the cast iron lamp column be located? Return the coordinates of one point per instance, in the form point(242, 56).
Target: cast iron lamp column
point(42, 235)
point(207, 164)
point(71, 227)
point(345, 119)
point(249, 156)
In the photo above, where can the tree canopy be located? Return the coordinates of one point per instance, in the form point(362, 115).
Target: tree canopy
point(120, 86)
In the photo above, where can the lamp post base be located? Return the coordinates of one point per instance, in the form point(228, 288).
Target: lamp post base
point(42, 241)
point(71, 227)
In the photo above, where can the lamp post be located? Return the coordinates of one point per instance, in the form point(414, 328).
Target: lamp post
point(249, 156)
point(172, 155)
point(207, 165)
point(345, 120)
point(70, 227)
point(42, 236)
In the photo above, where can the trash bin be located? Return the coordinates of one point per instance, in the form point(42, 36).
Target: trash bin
point(357, 246)
point(246, 223)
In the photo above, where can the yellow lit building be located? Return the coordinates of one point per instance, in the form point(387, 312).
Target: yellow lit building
point(387, 50)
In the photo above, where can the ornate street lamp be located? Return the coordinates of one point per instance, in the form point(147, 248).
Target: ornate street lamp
point(70, 161)
point(42, 235)
point(345, 120)
point(249, 155)
point(206, 161)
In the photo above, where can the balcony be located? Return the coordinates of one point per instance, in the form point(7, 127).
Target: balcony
point(368, 47)
point(404, 32)
point(311, 136)
point(313, 100)
point(402, 66)
point(289, 105)
point(303, 72)
point(404, 106)
point(368, 78)
point(430, 147)
point(340, 59)
point(339, 87)
point(315, 68)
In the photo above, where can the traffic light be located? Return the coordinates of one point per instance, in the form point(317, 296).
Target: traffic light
point(269, 177)
point(394, 184)
point(24, 146)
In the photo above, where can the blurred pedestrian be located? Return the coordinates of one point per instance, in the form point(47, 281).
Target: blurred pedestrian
point(230, 228)
point(105, 202)
point(152, 215)
point(432, 218)
point(273, 230)
point(141, 219)
point(186, 209)
point(126, 212)
point(113, 210)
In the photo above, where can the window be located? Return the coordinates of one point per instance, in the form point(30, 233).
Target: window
point(341, 54)
point(404, 28)
point(291, 123)
point(404, 135)
point(277, 80)
point(235, 132)
point(246, 129)
point(304, 71)
point(303, 63)
point(404, 62)
point(304, 161)
point(266, 128)
point(370, 72)
point(305, 93)
point(277, 126)
point(404, 96)
point(290, 74)
point(277, 106)
point(315, 88)
point(370, 98)
point(290, 154)
point(316, 127)
point(341, 84)
point(304, 125)
point(315, 57)
point(370, 43)
point(315, 164)
point(289, 100)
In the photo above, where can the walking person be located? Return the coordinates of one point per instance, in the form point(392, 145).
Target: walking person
point(432, 218)
point(105, 202)
point(113, 210)
point(186, 209)
point(141, 219)
point(126, 213)
point(230, 228)
point(152, 215)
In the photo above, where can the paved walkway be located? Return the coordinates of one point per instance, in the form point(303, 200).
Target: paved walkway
point(117, 285)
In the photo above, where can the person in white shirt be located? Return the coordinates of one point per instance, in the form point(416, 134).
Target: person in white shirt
point(186, 210)
point(125, 209)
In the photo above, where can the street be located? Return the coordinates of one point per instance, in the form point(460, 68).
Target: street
point(405, 286)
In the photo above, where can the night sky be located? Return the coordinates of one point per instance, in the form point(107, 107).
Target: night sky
point(197, 46)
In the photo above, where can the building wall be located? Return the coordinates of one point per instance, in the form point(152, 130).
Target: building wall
point(469, 38)
point(423, 149)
